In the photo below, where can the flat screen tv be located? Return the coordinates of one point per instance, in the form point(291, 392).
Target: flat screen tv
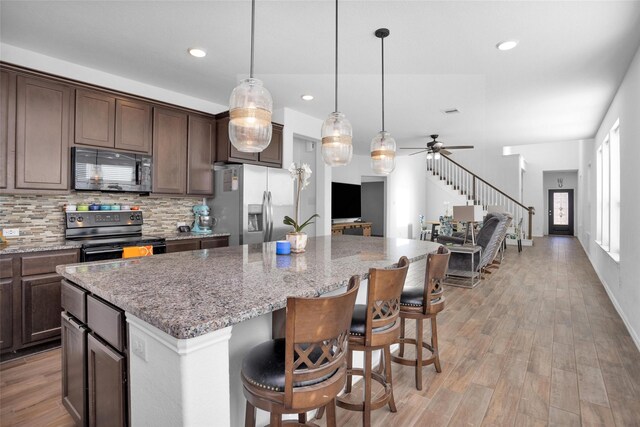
point(345, 200)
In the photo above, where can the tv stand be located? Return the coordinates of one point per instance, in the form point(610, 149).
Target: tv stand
point(339, 228)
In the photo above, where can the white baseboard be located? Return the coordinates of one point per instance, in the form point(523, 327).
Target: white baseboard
point(614, 301)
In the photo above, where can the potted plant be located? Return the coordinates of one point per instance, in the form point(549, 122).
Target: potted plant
point(297, 238)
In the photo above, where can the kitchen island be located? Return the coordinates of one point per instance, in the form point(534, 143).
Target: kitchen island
point(181, 310)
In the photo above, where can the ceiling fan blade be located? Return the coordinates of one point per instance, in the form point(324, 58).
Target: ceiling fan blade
point(459, 147)
point(445, 152)
point(412, 148)
point(417, 152)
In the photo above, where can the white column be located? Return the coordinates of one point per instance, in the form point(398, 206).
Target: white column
point(178, 382)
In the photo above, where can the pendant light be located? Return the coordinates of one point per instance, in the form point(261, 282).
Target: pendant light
point(383, 146)
point(250, 107)
point(336, 129)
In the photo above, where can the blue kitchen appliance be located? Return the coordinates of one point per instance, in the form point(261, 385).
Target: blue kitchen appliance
point(203, 222)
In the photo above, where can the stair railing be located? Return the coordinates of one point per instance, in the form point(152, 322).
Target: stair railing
point(478, 189)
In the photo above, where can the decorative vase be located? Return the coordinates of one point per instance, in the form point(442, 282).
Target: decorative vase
point(298, 241)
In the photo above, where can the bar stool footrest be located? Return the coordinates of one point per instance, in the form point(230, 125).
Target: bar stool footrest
point(376, 404)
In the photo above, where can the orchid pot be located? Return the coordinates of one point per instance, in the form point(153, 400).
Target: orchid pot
point(298, 241)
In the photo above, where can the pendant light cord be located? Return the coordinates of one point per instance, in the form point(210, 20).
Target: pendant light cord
point(336, 79)
point(382, 40)
point(253, 28)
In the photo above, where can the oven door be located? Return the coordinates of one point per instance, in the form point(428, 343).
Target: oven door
point(100, 253)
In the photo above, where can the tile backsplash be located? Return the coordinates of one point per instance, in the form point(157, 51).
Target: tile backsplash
point(40, 218)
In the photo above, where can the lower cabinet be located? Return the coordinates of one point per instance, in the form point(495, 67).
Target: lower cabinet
point(74, 368)
point(30, 298)
point(106, 381)
point(197, 244)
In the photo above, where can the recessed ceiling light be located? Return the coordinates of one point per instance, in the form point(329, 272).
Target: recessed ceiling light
point(198, 53)
point(507, 45)
point(307, 97)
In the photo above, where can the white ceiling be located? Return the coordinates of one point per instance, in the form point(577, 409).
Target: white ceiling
point(556, 85)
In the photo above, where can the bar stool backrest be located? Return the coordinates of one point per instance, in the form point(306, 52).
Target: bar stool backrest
point(383, 300)
point(437, 265)
point(317, 332)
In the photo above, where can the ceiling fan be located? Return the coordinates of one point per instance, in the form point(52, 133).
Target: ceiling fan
point(436, 146)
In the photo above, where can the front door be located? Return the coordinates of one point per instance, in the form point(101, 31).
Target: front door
point(561, 212)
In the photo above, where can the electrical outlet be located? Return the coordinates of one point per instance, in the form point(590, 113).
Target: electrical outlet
point(139, 346)
point(180, 223)
point(11, 232)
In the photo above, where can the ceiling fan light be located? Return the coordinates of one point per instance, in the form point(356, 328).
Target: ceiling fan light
point(337, 135)
point(383, 153)
point(437, 156)
point(250, 108)
point(429, 156)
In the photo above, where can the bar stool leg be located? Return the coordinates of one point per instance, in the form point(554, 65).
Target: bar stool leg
point(250, 416)
point(302, 418)
point(320, 413)
point(387, 368)
point(401, 352)
point(366, 413)
point(331, 413)
point(276, 420)
point(419, 354)
point(434, 343)
point(347, 388)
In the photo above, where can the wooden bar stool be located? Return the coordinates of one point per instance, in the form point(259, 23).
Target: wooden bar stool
point(307, 369)
point(424, 303)
point(375, 326)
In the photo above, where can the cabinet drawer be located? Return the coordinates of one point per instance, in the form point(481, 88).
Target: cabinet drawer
point(74, 300)
point(6, 268)
point(183, 245)
point(106, 321)
point(46, 263)
point(216, 242)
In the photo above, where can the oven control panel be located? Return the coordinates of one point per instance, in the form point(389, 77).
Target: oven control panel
point(82, 219)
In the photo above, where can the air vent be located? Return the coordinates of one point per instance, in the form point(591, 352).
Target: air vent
point(451, 111)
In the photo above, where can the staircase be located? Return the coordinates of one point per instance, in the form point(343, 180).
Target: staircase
point(480, 192)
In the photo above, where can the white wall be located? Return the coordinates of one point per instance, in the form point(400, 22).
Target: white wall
point(620, 278)
point(570, 182)
point(406, 197)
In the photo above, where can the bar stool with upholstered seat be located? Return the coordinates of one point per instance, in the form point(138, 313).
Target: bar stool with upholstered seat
point(307, 369)
point(375, 326)
point(424, 302)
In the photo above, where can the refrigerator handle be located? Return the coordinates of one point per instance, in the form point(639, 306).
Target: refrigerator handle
point(265, 217)
point(270, 216)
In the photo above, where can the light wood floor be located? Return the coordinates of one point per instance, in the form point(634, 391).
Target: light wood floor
point(537, 343)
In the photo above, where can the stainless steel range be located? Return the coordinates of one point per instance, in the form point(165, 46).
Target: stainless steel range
point(105, 234)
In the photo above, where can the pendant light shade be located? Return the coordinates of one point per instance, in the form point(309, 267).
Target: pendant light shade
point(337, 132)
point(383, 146)
point(250, 108)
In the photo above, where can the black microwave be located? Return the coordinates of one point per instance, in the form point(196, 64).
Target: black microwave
point(104, 170)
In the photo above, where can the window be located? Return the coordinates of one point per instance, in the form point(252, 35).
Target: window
point(608, 193)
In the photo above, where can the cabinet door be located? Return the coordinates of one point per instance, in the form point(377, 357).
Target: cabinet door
point(200, 156)
point(106, 383)
point(40, 307)
point(74, 383)
point(6, 313)
point(133, 126)
point(95, 118)
point(183, 245)
point(7, 127)
point(273, 153)
point(42, 134)
point(169, 151)
point(214, 242)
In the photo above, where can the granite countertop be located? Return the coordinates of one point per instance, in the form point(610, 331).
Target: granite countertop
point(188, 294)
point(18, 247)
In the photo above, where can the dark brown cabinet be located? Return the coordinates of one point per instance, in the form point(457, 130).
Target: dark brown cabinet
point(226, 152)
point(106, 370)
point(74, 378)
point(200, 155)
point(42, 134)
point(30, 297)
point(95, 119)
point(169, 151)
point(197, 244)
point(7, 127)
point(133, 126)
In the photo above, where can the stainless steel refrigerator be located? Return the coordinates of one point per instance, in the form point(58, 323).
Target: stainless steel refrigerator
point(250, 202)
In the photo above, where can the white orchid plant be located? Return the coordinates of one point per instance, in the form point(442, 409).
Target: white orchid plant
point(300, 175)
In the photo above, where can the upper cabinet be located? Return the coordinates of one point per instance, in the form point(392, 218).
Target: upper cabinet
point(42, 134)
point(200, 155)
point(169, 151)
point(102, 120)
point(7, 127)
point(226, 152)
